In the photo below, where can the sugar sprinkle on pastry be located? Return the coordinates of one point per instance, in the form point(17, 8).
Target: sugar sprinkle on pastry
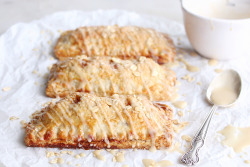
point(128, 42)
point(106, 76)
point(88, 121)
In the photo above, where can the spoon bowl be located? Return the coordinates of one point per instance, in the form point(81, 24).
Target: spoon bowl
point(224, 90)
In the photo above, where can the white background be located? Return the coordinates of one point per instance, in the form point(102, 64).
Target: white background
point(14, 11)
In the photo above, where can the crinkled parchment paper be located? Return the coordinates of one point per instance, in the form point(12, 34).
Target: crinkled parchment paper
point(26, 52)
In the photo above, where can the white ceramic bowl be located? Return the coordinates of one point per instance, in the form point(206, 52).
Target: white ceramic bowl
point(215, 33)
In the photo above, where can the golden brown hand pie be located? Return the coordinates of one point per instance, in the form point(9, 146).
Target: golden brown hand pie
point(83, 120)
point(106, 76)
point(127, 42)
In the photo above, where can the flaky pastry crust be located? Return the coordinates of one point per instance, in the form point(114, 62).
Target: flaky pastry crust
point(126, 42)
point(106, 76)
point(87, 121)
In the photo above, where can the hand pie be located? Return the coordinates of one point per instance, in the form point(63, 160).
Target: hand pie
point(106, 76)
point(123, 42)
point(83, 120)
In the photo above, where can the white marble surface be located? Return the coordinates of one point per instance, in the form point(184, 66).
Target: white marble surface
point(14, 11)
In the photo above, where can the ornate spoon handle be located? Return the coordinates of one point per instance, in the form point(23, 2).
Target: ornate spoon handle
point(191, 157)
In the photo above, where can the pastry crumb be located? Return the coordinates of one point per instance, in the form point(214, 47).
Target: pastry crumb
point(82, 155)
point(52, 58)
point(46, 104)
point(77, 156)
point(173, 64)
point(230, 156)
point(218, 70)
point(53, 161)
point(70, 153)
point(49, 154)
point(60, 160)
point(177, 83)
point(175, 121)
point(180, 56)
point(46, 75)
point(5, 89)
point(125, 165)
point(187, 78)
point(181, 125)
point(247, 161)
point(193, 54)
point(34, 72)
point(186, 138)
point(23, 123)
point(97, 154)
point(198, 83)
point(57, 154)
point(212, 62)
point(49, 67)
point(180, 104)
point(12, 118)
point(60, 31)
point(176, 147)
point(119, 157)
point(63, 152)
point(180, 113)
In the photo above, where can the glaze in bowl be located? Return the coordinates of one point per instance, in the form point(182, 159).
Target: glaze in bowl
point(217, 34)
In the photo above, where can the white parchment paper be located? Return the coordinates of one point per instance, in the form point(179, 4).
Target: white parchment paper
point(26, 52)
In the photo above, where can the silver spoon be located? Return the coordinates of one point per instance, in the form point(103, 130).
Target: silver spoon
point(223, 91)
